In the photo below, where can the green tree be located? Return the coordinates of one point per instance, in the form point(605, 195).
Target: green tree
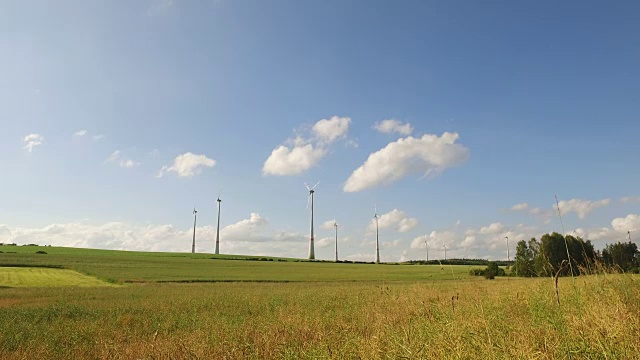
point(623, 255)
point(524, 265)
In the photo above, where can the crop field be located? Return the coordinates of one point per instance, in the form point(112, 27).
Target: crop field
point(36, 277)
point(185, 306)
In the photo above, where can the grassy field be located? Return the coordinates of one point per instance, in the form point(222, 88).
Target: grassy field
point(126, 266)
point(326, 311)
point(44, 277)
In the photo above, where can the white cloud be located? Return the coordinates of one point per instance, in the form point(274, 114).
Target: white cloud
point(329, 130)
point(300, 154)
point(252, 236)
point(80, 133)
point(33, 140)
point(630, 199)
point(429, 154)
point(521, 206)
point(436, 240)
point(117, 158)
point(251, 229)
point(285, 161)
point(324, 242)
point(391, 126)
point(396, 219)
point(468, 241)
point(494, 228)
point(327, 225)
point(187, 164)
point(629, 223)
point(580, 206)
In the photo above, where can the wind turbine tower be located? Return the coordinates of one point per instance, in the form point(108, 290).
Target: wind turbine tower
point(335, 225)
point(508, 254)
point(426, 245)
point(218, 228)
point(629, 235)
point(312, 254)
point(445, 252)
point(375, 216)
point(193, 244)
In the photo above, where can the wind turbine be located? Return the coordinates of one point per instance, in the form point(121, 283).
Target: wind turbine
point(195, 217)
point(218, 228)
point(629, 235)
point(445, 251)
point(375, 216)
point(335, 225)
point(426, 245)
point(508, 254)
point(312, 254)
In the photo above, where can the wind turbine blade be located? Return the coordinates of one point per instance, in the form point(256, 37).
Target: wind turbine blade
point(308, 188)
point(314, 186)
point(308, 200)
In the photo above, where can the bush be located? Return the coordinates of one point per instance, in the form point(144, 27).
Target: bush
point(476, 272)
point(41, 252)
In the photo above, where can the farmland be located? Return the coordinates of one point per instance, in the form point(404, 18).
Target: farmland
point(185, 306)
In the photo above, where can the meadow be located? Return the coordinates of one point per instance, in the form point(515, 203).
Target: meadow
point(304, 310)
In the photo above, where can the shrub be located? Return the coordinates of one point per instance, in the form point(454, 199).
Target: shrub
point(41, 252)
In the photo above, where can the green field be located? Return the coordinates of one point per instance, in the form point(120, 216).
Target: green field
point(308, 310)
point(128, 266)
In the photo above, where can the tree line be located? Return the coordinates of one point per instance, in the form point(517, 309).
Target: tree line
point(567, 255)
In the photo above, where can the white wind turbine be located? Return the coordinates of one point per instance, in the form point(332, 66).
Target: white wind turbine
point(375, 216)
point(335, 225)
point(312, 254)
point(195, 217)
point(218, 227)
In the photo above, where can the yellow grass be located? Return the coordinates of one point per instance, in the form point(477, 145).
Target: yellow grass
point(598, 318)
point(45, 277)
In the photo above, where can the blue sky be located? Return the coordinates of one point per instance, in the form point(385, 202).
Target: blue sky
point(455, 111)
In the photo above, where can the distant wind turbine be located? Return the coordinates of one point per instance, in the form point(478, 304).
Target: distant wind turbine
point(312, 254)
point(508, 254)
point(195, 217)
point(335, 225)
point(218, 227)
point(426, 245)
point(375, 216)
point(445, 251)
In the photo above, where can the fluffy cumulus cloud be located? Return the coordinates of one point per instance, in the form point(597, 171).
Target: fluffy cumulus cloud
point(329, 130)
point(117, 158)
point(187, 164)
point(629, 223)
point(300, 154)
point(395, 219)
point(428, 155)
point(494, 228)
point(393, 126)
point(251, 229)
point(285, 161)
point(80, 133)
point(32, 140)
point(581, 207)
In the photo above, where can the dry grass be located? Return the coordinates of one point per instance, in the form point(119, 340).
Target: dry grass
point(599, 317)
